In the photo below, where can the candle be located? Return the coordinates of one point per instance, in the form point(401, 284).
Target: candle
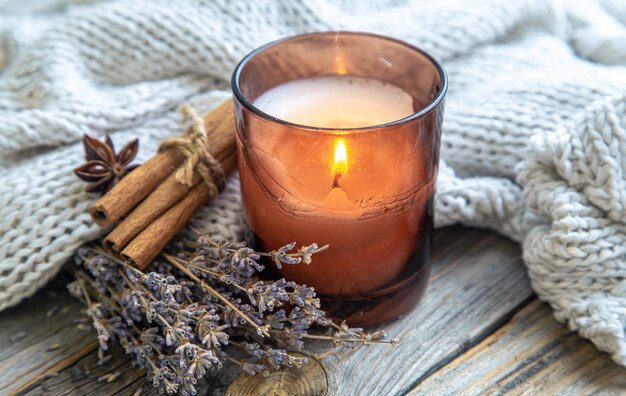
point(346, 156)
point(384, 243)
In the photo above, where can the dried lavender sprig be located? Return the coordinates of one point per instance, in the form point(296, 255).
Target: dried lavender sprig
point(177, 329)
point(164, 382)
point(344, 336)
point(280, 256)
point(168, 385)
point(261, 330)
point(365, 340)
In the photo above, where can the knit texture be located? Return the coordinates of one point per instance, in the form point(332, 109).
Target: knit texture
point(534, 137)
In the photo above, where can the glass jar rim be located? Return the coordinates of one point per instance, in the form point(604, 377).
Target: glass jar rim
point(258, 112)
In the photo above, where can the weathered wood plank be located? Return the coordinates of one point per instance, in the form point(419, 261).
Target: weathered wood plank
point(50, 342)
point(532, 354)
point(86, 378)
point(478, 283)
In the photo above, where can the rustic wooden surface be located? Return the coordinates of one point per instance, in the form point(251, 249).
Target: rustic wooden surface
point(479, 330)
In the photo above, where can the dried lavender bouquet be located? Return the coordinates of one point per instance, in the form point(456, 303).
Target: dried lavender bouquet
point(204, 304)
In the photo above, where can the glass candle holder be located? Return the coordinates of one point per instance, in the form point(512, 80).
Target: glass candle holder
point(338, 143)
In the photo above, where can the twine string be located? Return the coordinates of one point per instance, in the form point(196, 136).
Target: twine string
point(193, 146)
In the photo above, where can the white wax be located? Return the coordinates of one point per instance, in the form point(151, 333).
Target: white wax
point(336, 102)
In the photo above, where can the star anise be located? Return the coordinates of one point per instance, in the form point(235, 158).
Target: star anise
point(104, 168)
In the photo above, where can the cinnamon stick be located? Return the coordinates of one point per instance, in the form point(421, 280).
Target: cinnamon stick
point(133, 188)
point(221, 145)
point(160, 200)
point(152, 239)
point(138, 184)
point(149, 243)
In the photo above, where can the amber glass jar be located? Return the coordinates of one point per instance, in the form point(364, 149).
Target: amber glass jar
point(378, 217)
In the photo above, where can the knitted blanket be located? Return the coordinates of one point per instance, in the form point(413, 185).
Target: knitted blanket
point(534, 137)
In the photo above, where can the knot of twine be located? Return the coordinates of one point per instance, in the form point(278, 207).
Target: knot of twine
point(193, 145)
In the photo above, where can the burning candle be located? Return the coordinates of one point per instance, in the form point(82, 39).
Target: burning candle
point(340, 102)
point(338, 145)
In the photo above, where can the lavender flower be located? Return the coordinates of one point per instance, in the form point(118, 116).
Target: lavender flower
point(216, 337)
point(253, 369)
point(190, 311)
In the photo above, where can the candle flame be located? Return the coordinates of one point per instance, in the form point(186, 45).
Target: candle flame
point(340, 163)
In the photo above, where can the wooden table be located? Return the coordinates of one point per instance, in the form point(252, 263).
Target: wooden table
point(479, 330)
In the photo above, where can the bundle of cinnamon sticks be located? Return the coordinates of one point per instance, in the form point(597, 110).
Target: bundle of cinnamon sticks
point(151, 204)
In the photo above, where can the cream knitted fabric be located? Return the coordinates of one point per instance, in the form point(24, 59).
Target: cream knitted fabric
point(535, 122)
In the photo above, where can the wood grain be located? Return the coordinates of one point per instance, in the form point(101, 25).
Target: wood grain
point(308, 380)
point(51, 343)
point(478, 283)
point(86, 378)
point(532, 354)
point(82, 378)
point(479, 330)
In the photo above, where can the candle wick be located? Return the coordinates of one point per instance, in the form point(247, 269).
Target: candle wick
point(336, 180)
